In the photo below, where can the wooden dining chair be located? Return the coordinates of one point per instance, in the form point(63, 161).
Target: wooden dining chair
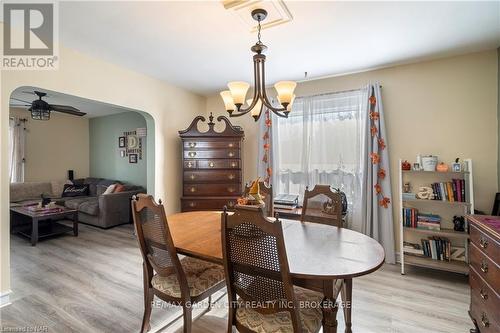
point(265, 191)
point(322, 205)
point(257, 272)
point(176, 281)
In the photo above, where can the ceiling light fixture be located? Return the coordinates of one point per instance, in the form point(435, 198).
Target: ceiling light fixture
point(234, 98)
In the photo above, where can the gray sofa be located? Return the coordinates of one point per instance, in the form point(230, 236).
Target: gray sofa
point(97, 209)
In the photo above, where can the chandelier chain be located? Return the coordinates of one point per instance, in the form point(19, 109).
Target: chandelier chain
point(258, 34)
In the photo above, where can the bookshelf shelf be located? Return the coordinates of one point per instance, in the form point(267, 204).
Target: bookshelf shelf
point(450, 266)
point(448, 173)
point(445, 209)
point(442, 232)
point(438, 202)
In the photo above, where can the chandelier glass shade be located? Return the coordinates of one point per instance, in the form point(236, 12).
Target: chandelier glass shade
point(235, 98)
point(40, 110)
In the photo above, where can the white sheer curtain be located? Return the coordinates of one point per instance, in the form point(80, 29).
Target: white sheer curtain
point(16, 149)
point(322, 142)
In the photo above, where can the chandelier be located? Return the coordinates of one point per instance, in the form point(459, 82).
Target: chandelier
point(234, 98)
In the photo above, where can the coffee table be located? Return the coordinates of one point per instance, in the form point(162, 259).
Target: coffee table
point(37, 230)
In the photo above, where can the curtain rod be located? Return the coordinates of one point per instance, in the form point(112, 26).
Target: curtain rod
point(334, 92)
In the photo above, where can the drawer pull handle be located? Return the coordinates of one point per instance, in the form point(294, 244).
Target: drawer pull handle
point(231, 189)
point(192, 144)
point(484, 266)
point(484, 320)
point(231, 145)
point(192, 177)
point(483, 242)
point(230, 203)
point(233, 164)
point(190, 164)
point(192, 154)
point(231, 176)
point(192, 189)
point(230, 154)
point(211, 164)
point(483, 294)
point(192, 204)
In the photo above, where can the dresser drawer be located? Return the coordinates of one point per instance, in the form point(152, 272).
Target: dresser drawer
point(486, 296)
point(189, 204)
point(192, 144)
point(485, 243)
point(218, 164)
point(212, 176)
point(486, 318)
point(219, 153)
point(486, 269)
point(212, 189)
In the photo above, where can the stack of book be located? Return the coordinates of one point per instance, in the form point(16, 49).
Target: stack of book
point(437, 248)
point(450, 191)
point(413, 249)
point(286, 201)
point(428, 221)
point(413, 219)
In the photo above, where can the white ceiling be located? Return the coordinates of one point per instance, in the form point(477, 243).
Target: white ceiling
point(201, 46)
point(91, 107)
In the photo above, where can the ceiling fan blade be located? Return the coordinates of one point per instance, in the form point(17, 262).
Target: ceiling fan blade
point(20, 100)
point(67, 109)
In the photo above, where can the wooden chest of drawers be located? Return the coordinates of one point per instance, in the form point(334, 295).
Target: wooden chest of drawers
point(212, 175)
point(484, 275)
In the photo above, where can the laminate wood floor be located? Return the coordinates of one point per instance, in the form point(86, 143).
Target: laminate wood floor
point(93, 283)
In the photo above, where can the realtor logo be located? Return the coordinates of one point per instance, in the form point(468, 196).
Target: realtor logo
point(29, 36)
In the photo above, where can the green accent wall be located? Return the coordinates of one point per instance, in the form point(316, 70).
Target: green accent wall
point(498, 117)
point(105, 159)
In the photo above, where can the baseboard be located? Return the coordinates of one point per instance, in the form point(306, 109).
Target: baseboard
point(5, 298)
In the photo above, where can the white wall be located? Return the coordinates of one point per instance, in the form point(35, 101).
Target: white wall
point(53, 147)
point(172, 109)
point(445, 107)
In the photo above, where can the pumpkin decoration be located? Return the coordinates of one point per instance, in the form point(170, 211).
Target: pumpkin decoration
point(442, 167)
point(405, 166)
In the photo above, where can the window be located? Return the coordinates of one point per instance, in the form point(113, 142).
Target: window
point(320, 143)
point(16, 150)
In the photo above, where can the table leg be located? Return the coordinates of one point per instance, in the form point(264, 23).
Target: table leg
point(75, 224)
point(34, 231)
point(330, 308)
point(346, 295)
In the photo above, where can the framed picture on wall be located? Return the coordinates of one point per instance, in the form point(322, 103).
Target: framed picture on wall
point(132, 158)
point(121, 142)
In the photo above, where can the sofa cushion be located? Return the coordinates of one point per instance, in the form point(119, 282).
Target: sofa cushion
point(92, 182)
point(75, 203)
point(90, 207)
point(58, 187)
point(71, 190)
point(28, 191)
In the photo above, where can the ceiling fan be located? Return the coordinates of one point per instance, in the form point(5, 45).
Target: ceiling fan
point(40, 109)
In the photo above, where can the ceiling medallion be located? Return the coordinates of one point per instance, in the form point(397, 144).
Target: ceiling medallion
point(234, 98)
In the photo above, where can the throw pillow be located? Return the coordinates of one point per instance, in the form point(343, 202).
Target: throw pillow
point(58, 186)
point(110, 189)
point(119, 188)
point(71, 190)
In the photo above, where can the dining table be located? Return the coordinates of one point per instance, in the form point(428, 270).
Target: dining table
point(320, 257)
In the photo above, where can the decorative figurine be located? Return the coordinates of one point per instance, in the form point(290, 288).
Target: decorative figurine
point(442, 167)
point(456, 167)
point(406, 166)
point(406, 187)
point(459, 223)
point(45, 200)
point(425, 193)
point(416, 167)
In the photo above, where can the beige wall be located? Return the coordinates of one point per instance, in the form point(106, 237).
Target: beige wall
point(446, 107)
point(172, 109)
point(55, 146)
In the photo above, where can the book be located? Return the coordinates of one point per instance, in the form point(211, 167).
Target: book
point(286, 199)
point(289, 207)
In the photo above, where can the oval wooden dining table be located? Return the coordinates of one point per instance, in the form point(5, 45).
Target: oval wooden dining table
point(320, 257)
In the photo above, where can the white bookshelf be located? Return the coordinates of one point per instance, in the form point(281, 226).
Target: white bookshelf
point(445, 209)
